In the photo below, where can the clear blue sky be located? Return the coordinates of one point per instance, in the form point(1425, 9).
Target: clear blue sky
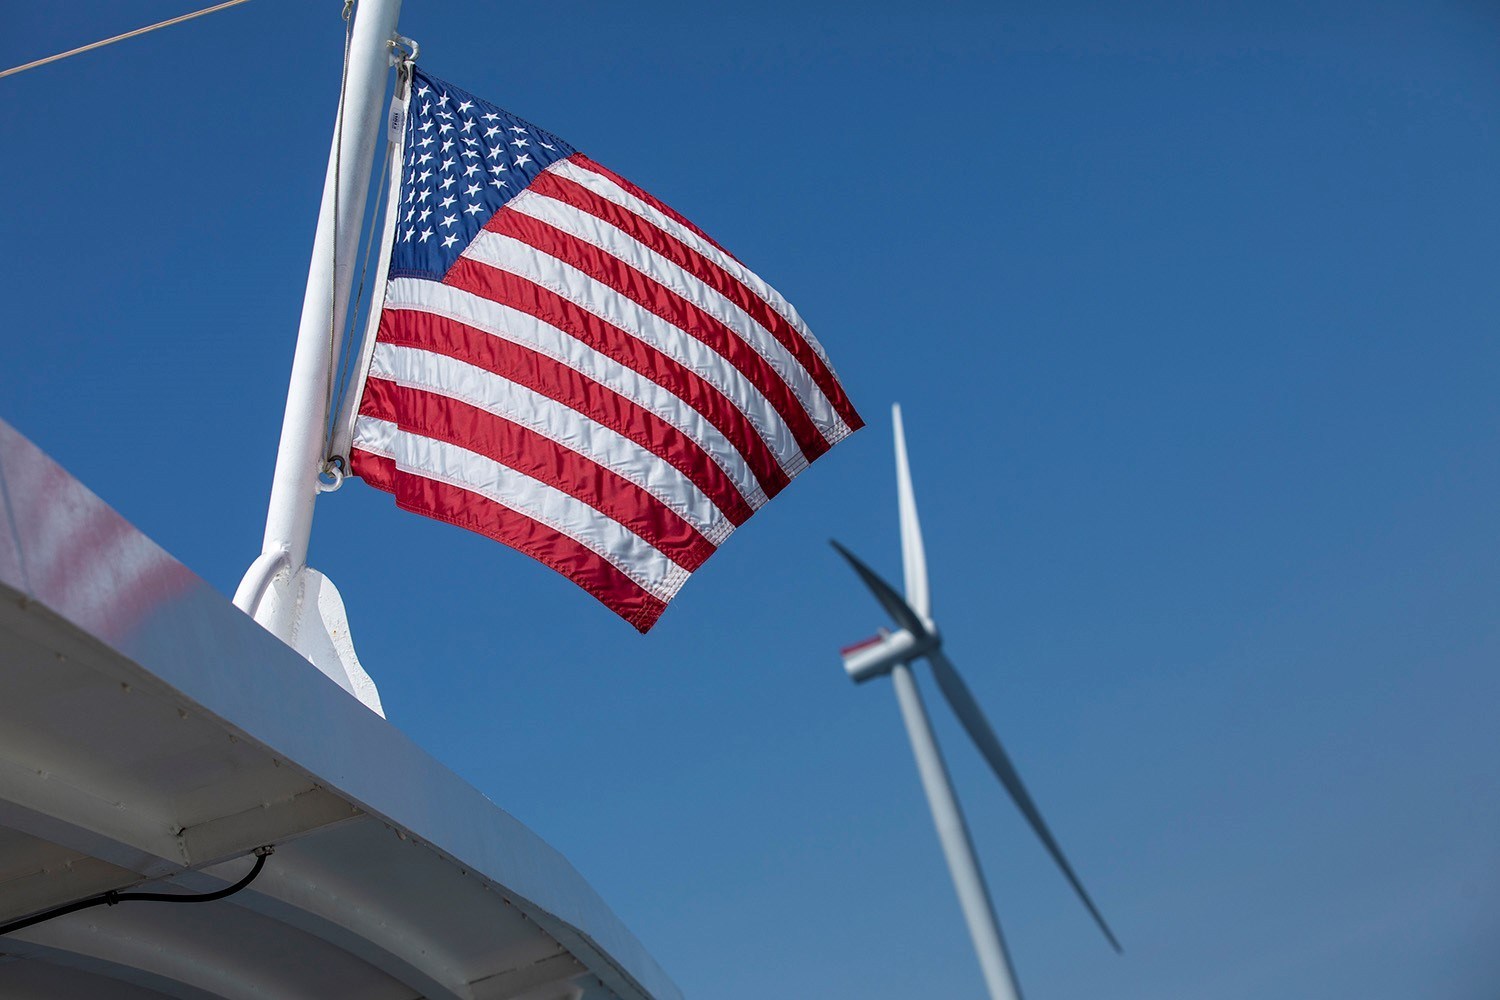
point(1193, 313)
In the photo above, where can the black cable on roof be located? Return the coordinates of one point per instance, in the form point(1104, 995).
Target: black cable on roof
point(112, 897)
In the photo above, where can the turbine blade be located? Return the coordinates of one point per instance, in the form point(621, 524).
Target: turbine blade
point(969, 713)
point(913, 555)
point(900, 612)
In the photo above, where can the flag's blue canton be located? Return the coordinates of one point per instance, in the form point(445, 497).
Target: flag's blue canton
point(464, 158)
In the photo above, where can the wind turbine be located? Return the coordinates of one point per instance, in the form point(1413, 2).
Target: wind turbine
point(893, 652)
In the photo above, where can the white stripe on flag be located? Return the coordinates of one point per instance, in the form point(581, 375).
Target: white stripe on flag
point(607, 238)
point(455, 379)
point(441, 462)
point(515, 257)
point(610, 191)
point(502, 321)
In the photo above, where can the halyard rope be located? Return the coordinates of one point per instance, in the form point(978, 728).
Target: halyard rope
point(119, 38)
point(333, 292)
point(352, 350)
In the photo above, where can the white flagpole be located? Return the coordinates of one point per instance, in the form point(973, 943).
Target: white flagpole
point(299, 459)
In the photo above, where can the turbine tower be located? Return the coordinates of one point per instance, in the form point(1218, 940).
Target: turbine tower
point(893, 652)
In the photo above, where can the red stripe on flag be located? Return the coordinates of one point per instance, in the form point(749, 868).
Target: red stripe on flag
point(662, 301)
point(710, 273)
point(548, 546)
point(443, 418)
point(551, 378)
point(373, 469)
point(580, 160)
point(608, 339)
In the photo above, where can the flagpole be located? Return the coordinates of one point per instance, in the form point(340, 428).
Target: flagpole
point(299, 458)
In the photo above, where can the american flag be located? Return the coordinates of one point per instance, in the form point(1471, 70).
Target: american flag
point(565, 364)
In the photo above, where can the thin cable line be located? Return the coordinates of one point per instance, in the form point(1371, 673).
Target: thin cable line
point(120, 38)
point(333, 292)
point(360, 335)
point(353, 348)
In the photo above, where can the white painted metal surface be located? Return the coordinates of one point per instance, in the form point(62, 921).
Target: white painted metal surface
point(278, 589)
point(152, 736)
point(307, 612)
point(299, 456)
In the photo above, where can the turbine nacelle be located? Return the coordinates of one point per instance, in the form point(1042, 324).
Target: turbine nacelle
point(879, 654)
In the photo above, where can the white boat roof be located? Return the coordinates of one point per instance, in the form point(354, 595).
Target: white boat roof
point(153, 736)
